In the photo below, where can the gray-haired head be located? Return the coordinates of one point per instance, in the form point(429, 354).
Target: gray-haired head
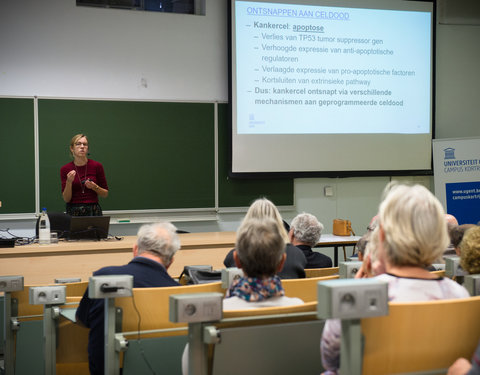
point(260, 247)
point(306, 228)
point(160, 239)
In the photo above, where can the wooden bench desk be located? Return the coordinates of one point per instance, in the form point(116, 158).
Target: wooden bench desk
point(42, 264)
point(319, 272)
point(421, 336)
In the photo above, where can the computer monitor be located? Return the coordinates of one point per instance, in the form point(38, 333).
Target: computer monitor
point(89, 227)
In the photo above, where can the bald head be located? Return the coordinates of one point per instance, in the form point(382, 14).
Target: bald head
point(451, 220)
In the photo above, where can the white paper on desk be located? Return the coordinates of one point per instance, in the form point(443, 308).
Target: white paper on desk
point(69, 314)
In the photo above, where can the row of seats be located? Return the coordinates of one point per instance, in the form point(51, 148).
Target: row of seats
point(73, 356)
point(384, 336)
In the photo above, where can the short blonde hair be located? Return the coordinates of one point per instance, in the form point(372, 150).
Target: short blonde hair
point(470, 250)
point(263, 208)
point(74, 140)
point(413, 222)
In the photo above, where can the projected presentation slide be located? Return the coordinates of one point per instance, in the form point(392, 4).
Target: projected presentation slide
point(302, 69)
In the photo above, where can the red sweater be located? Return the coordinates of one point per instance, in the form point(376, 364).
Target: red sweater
point(93, 170)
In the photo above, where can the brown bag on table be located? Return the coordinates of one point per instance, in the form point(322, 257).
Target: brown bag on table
point(342, 227)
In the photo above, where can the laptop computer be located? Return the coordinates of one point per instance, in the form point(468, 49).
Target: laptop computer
point(88, 227)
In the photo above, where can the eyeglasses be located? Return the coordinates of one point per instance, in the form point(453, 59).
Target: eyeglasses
point(81, 144)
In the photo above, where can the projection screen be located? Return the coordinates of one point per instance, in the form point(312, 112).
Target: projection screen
point(331, 87)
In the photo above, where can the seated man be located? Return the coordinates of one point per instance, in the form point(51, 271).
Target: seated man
point(152, 255)
point(305, 231)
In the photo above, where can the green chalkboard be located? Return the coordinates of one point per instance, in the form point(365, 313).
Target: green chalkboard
point(241, 192)
point(155, 155)
point(17, 155)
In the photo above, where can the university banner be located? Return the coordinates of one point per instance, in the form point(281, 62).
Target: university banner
point(456, 165)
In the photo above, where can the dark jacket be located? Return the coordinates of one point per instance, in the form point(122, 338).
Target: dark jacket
point(146, 273)
point(315, 259)
point(294, 267)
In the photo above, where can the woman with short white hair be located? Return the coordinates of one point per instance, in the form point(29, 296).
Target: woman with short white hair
point(412, 227)
point(411, 233)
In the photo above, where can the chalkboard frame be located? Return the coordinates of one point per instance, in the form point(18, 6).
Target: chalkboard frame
point(184, 183)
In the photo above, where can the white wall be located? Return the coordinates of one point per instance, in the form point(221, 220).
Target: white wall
point(458, 81)
point(53, 48)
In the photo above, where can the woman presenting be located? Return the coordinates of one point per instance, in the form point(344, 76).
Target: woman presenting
point(83, 180)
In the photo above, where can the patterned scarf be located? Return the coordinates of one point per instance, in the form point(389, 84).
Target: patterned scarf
point(252, 289)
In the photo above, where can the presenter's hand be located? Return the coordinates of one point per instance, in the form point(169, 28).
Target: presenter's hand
point(91, 185)
point(71, 176)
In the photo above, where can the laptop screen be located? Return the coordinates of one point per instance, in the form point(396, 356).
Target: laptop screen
point(89, 227)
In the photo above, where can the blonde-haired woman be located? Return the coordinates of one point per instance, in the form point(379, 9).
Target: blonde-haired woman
point(83, 180)
point(295, 263)
point(411, 233)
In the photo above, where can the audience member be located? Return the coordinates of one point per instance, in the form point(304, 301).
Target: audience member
point(411, 234)
point(294, 267)
point(153, 254)
point(451, 221)
point(450, 250)
point(373, 224)
point(470, 250)
point(260, 253)
point(305, 232)
point(456, 235)
point(463, 367)
point(466, 240)
point(372, 265)
point(361, 246)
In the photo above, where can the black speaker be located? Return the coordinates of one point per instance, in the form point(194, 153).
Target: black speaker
point(7, 242)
